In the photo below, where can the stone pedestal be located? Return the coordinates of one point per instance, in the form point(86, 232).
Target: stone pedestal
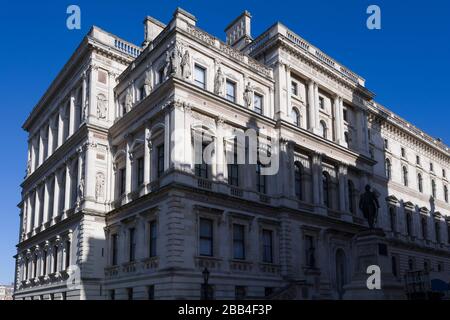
point(371, 248)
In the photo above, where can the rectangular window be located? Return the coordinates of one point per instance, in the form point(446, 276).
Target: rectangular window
point(67, 262)
point(160, 163)
point(267, 246)
point(240, 292)
point(122, 177)
point(55, 259)
point(294, 88)
point(132, 244)
point(386, 143)
point(258, 103)
point(403, 152)
point(130, 293)
point(112, 294)
point(431, 167)
point(201, 167)
point(140, 171)
point(231, 91)
point(141, 93)
point(408, 224)
point(161, 76)
point(114, 249)
point(260, 180)
point(206, 237)
point(151, 292)
point(238, 241)
point(200, 76)
point(345, 115)
point(322, 103)
point(310, 255)
point(44, 267)
point(152, 237)
point(233, 169)
point(418, 160)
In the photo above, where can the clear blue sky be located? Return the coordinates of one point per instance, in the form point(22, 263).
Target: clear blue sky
point(407, 63)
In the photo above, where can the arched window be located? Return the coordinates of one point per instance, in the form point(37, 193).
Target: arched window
point(326, 189)
point(446, 193)
point(298, 180)
point(351, 197)
point(388, 169)
point(420, 182)
point(433, 188)
point(405, 176)
point(295, 116)
point(323, 128)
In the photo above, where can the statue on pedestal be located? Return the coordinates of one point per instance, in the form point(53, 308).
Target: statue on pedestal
point(368, 204)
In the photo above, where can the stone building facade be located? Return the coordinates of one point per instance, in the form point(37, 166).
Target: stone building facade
point(115, 204)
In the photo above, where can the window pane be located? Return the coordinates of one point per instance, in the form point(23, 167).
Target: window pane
point(267, 246)
point(231, 91)
point(258, 103)
point(238, 241)
point(199, 76)
point(206, 237)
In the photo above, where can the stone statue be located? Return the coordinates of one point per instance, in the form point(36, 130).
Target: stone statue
point(248, 95)
point(81, 190)
point(219, 81)
point(101, 106)
point(186, 65)
point(167, 65)
point(368, 204)
point(147, 84)
point(128, 100)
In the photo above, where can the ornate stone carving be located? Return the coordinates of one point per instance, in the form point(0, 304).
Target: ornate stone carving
point(147, 83)
point(186, 65)
point(101, 106)
point(219, 81)
point(99, 186)
point(248, 95)
point(80, 195)
point(128, 100)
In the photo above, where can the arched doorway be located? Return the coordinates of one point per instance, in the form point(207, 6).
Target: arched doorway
point(341, 270)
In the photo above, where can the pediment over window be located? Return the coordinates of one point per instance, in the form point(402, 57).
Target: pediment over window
point(424, 210)
point(437, 214)
point(392, 199)
point(409, 205)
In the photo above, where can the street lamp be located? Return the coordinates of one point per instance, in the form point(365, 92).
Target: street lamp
point(205, 274)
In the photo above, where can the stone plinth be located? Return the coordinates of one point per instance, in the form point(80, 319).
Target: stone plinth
point(371, 248)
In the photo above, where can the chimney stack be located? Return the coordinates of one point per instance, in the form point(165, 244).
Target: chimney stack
point(239, 31)
point(152, 28)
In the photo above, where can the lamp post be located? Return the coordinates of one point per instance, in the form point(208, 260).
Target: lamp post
point(205, 274)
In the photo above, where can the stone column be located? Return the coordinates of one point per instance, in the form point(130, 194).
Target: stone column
point(128, 165)
point(29, 226)
point(311, 107)
point(317, 178)
point(83, 97)
point(50, 136)
point(342, 177)
point(61, 126)
point(41, 146)
point(188, 138)
point(288, 90)
point(111, 106)
point(220, 153)
point(147, 156)
point(37, 207)
point(46, 207)
point(90, 172)
point(167, 141)
point(71, 114)
point(56, 195)
point(92, 90)
point(68, 189)
point(338, 120)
